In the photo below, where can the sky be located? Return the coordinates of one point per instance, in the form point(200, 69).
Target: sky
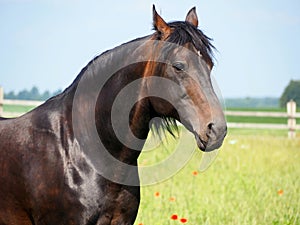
point(45, 43)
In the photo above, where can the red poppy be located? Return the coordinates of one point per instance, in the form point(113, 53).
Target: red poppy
point(195, 173)
point(280, 192)
point(183, 220)
point(174, 217)
point(156, 194)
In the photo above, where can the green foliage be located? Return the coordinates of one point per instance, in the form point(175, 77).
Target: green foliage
point(33, 94)
point(292, 91)
point(254, 180)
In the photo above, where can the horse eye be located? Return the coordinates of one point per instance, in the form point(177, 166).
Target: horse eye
point(178, 66)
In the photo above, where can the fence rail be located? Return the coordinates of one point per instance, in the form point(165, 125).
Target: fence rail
point(290, 115)
point(260, 114)
point(261, 126)
point(21, 102)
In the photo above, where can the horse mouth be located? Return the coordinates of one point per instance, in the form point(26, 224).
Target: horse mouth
point(209, 145)
point(202, 145)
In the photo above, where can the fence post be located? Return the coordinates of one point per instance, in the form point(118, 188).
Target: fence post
point(1, 101)
point(291, 111)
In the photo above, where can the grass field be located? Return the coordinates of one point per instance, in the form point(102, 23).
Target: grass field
point(254, 180)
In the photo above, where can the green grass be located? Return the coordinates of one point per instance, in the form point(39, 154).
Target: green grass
point(257, 132)
point(17, 108)
point(243, 186)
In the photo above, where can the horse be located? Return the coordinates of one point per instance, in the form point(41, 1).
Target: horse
point(73, 159)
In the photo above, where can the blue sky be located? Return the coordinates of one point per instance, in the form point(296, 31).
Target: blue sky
point(46, 42)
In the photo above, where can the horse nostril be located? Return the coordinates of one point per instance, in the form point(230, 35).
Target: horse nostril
point(209, 129)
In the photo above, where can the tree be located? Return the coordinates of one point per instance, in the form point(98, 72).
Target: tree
point(292, 91)
point(34, 93)
point(45, 95)
point(10, 95)
point(24, 95)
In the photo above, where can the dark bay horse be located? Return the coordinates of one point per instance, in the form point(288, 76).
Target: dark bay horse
point(73, 160)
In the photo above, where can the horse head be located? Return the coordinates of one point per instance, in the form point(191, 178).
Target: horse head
point(182, 60)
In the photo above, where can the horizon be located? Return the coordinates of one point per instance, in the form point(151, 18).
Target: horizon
point(60, 90)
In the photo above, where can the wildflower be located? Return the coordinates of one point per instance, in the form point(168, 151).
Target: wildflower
point(280, 192)
point(195, 173)
point(172, 199)
point(174, 217)
point(157, 194)
point(183, 220)
point(232, 142)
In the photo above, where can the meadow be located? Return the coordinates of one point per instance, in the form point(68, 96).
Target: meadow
point(254, 180)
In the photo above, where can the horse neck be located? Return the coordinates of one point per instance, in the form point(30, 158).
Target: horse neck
point(95, 91)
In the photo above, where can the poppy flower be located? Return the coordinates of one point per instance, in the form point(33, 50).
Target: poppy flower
point(195, 173)
point(157, 194)
point(280, 192)
point(183, 220)
point(174, 217)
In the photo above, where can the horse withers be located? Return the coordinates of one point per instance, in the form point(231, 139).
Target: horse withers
point(73, 160)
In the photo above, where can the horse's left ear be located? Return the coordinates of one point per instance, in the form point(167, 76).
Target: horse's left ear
point(160, 25)
point(192, 17)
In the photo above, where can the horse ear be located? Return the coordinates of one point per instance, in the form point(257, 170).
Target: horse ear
point(192, 17)
point(160, 25)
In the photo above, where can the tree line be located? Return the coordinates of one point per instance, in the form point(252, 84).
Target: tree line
point(292, 91)
point(33, 94)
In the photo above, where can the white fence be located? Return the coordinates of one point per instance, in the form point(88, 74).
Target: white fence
point(290, 114)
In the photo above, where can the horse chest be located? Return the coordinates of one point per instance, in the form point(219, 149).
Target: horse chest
point(107, 203)
point(102, 200)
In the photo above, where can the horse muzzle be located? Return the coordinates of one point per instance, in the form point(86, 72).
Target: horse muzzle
point(212, 138)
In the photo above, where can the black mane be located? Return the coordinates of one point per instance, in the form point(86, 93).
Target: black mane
point(184, 32)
